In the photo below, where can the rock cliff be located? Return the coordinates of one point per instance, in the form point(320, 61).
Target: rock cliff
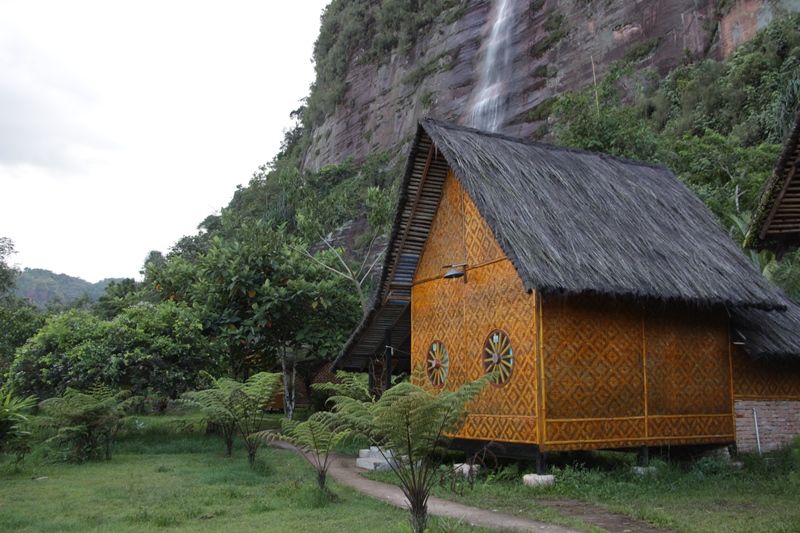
point(555, 45)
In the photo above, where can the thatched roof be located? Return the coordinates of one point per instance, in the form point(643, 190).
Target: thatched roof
point(776, 222)
point(769, 334)
point(570, 221)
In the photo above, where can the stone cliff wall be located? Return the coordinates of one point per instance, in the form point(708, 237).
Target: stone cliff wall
point(558, 46)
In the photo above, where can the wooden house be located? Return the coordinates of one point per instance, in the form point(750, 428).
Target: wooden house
point(599, 290)
point(767, 377)
point(776, 222)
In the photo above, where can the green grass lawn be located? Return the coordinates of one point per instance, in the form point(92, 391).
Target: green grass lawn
point(763, 495)
point(166, 475)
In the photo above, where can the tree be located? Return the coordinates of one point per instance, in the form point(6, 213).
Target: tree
point(118, 296)
point(159, 349)
point(408, 423)
point(324, 201)
point(315, 439)
point(596, 119)
point(70, 350)
point(238, 408)
point(8, 272)
point(19, 321)
point(86, 422)
point(262, 300)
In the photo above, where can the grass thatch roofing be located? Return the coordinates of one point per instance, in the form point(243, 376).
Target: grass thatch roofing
point(769, 334)
point(776, 221)
point(580, 222)
point(571, 222)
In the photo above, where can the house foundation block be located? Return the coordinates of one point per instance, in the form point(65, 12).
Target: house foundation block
point(537, 480)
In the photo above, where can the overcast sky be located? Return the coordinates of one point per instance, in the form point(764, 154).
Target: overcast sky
point(124, 124)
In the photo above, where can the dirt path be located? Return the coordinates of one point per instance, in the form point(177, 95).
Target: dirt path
point(599, 517)
point(344, 470)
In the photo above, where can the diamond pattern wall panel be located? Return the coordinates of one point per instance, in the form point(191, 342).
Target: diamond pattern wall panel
point(445, 244)
point(773, 380)
point(690, 429)
point(688, 361)
point(593, 365)
point(496, 299)
point(461, 314)
point(482, 247)
point(587, 434)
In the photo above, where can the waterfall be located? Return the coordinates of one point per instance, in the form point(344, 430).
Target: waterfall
point(489, 102)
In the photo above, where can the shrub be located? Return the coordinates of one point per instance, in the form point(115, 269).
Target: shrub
point(86, 422)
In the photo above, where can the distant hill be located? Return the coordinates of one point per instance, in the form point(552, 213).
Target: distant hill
point(43, 286)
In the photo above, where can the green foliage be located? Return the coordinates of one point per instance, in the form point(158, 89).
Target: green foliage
point(596, 119)
point(749, 96)
point(19, 321)
point(86, 422)
point(353, 385)
point(236, 408)
point(13, 438)
point(642, 49)
point(723, 172)
point(159, 348)
point(70, 350)
point(410, 423)
point(554, 26)
point(8, 272)
point(45, 288)
point(315, 438)
point(440, 63)
point(118, 296)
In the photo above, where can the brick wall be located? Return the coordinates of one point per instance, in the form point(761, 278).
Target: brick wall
point(778, 422)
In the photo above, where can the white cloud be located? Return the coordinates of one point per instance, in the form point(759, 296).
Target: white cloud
point(123, 125)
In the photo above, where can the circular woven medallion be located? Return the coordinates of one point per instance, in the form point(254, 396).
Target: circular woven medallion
point(437, 364)
point(498, 357)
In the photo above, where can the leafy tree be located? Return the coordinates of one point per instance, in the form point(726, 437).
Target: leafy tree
point(8, 272)
point(70, 350)
point(159, 348)
point(238, 408)
point(262, 300)
point(19, 321)
point(118, 296)
point(13, 438)
point(86, 422)
point(596, 119)
point(314, 438)
point(326, 200)
point(409, 423)
point(147, 347)
point(726, 175)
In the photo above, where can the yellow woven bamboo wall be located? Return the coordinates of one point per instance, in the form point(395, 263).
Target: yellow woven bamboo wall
point(462, 315)
point(619, 376)
point(615, 374)
point(764, 380)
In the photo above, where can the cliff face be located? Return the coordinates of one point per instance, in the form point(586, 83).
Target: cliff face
point(554, 46)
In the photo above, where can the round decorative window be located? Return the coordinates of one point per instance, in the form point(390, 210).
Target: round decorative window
point(498, 357)
point(437, 364)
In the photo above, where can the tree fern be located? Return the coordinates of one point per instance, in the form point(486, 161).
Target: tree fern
point(315, 439)
point(408, 423)
point(238, 408)
point(86, 422)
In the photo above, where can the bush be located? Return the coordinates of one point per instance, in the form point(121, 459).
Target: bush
point(86, 422)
